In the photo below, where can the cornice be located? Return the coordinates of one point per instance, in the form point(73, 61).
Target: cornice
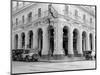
point(77, 22)
point(23, 9)
point(88, 11)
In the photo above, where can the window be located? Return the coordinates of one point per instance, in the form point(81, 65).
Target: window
point(30, 17)
point(16, 21)
point(39, 12)
point(76, 13)
point(66, 9)
point(23, 19)
point(84, 17)
point(17, 3)
point(90, 20)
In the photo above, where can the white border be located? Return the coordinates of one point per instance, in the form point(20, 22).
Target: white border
point(5, 37)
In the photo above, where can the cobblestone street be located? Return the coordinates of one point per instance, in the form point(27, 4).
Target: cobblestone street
point(26, 67)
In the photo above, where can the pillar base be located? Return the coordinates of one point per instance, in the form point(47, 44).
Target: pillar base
point(60, 56)
point(55, 57)
point(70, 55)
point(80, 55)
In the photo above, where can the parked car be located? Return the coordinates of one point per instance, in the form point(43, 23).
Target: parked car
point(87, 55)
point(29, 55)
point(16, 54)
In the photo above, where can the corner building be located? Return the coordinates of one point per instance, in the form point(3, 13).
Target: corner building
point(53, 29)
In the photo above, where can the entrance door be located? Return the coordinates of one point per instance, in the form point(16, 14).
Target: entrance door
point(30, 39)
point(23, 40)
point(16, 41)
point(65, 40)
point(40, 41)
point(75, 41)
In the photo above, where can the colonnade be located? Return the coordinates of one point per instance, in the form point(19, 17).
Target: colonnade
point(77, 41)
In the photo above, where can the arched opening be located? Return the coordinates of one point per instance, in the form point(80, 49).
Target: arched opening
point(75, 41)
point(51, 39)
point(91, 44)
point(30, 39)
point(23, 40)
point(16, 41)
point(83, 41)
point(65, 39)
point(30, 17)
point(40, 40)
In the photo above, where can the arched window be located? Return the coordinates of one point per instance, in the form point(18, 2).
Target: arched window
point(39, 12)
point(66, 9)
point(23, 20)
point(30, 17)
point(65, 39)
point(40, 40)
point(76, 13)
point(51, 39)
point(23, 40)
point(16, 21)
point(75, 41)
point(84, 17)
point(16, 41)
point(30, 45)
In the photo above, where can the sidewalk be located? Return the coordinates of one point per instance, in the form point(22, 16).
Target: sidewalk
point(65, 59)
point(26, 67)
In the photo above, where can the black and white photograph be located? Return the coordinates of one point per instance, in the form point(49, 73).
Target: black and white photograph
point(52, 37)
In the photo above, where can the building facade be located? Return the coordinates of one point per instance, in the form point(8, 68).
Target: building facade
point(55, 29)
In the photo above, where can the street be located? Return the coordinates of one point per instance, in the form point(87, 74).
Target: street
point(26, 67)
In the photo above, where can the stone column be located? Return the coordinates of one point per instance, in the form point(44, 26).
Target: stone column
point(79, 44)
point(45, 48)
point(93, 45)
point(35, 39)
point(87, 42)
point(70, 42)
point(58, 50)
point(19, 41)
point(26, 40)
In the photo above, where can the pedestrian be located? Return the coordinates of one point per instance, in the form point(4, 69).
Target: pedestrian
point(93, 55)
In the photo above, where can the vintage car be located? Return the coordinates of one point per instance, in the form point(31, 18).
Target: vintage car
point(87, 55)
point(16, 54)
point(29, 55)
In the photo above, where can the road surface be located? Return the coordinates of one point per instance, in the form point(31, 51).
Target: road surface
point(26, 67)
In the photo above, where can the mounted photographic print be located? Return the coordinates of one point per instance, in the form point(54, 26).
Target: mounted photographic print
point(52, 37)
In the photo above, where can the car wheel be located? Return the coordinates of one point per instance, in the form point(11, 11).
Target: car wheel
point(27, 59)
